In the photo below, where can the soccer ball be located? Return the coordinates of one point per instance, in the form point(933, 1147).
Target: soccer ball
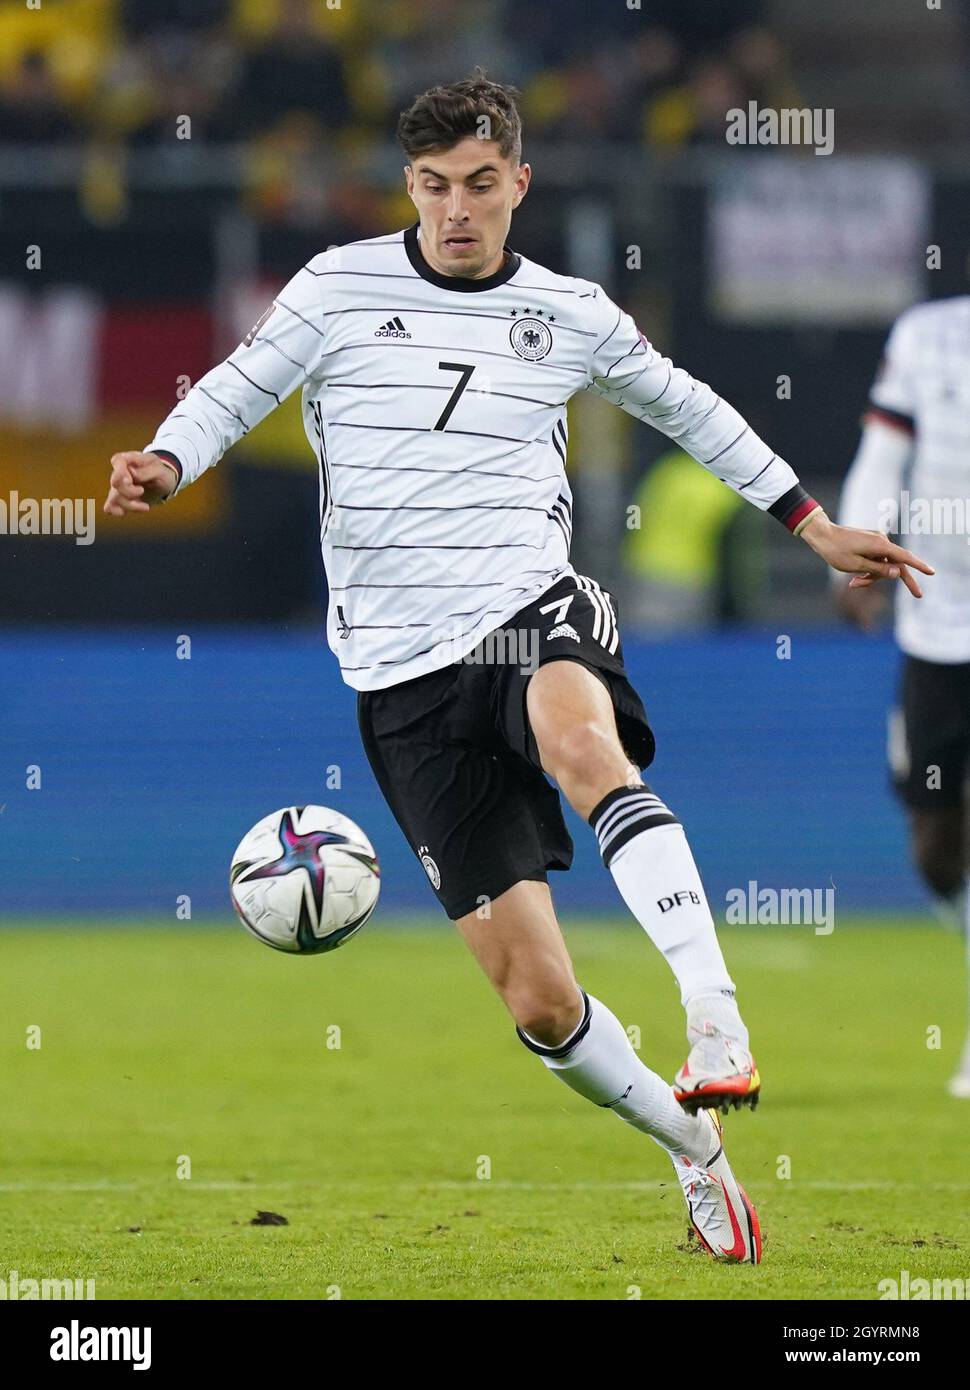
point(304, 879)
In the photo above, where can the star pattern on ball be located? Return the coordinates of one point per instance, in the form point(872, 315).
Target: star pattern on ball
point(301, 851)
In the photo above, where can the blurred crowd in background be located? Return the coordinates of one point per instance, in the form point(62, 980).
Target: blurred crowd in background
point(160, 243)
point(246, 68)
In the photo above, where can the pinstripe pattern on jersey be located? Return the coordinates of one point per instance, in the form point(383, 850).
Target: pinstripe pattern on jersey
point(913, 465)
point(417, 500)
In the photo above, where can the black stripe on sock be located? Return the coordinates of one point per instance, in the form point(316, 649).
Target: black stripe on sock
point(582, 1028)
point(612, 797)
point(617, 815)
point(623, 837)
point(649, 817)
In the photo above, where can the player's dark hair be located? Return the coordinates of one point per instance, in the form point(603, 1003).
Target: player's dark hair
point(442, 116)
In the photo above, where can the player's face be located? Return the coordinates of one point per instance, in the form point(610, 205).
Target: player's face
point(465, 197)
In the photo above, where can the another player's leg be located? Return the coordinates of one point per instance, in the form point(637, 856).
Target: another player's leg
point(959, 1083)
point(644, 847)
point(520, 948)
point(929, 757)
point(938, 840)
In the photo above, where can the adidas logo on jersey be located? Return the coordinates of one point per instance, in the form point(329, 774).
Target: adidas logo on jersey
point(394, 328)
point(563, 630)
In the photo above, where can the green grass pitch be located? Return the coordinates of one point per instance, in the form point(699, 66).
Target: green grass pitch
point(161, 1042)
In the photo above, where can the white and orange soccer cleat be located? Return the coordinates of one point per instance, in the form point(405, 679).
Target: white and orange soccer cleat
point(733, 1081)
point(720, 1071)
point(721, 1215)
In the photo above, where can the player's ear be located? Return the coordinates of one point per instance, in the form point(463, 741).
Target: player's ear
point(409, 181)
point(523, 178)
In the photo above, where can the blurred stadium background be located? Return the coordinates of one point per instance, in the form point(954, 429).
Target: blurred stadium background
point(772, 274)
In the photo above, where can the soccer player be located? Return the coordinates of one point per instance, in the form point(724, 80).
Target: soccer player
point(436, 365)
point(911, 473)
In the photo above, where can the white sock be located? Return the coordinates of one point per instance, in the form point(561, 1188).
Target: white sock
point(597, 1061)
point(645, 849)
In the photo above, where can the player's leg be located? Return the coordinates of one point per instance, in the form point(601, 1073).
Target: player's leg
point(486, 827)
point(938, 839)
point(928, 750)
point(517, 941)
point(929, 757)
point(572, 717)
point(937, 836)
point(959, 1083)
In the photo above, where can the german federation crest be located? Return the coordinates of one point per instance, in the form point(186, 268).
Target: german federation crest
point(531, 339)
point(430, 867)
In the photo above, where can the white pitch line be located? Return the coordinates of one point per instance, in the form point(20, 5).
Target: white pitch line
point(426, 1187)
point(67, 1186)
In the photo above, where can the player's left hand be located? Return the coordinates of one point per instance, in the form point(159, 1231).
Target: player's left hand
point(867, 555)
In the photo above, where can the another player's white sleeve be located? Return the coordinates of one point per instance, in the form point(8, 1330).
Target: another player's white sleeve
point(872, 486)
point(892, 398)
point(277, 355)
point(870, 492)
point(627, 370)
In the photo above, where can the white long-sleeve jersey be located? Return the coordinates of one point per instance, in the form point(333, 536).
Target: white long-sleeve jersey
point(911, 474)
point(436, 408)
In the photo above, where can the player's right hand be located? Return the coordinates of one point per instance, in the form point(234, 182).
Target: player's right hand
point(138, 482)
point(862, 607)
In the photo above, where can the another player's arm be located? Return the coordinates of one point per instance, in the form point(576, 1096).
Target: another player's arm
point(627, 370)
point(276, 357)
point(870, 494)
point(872, 487)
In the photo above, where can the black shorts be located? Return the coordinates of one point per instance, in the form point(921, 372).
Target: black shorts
point(457, 761)
point(929, 734)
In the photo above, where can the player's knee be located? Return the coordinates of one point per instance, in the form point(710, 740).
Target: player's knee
point(548, 1015)
point(581, 753)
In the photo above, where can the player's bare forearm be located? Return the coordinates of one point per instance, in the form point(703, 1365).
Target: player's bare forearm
point(138, 482)
point(867, 555)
